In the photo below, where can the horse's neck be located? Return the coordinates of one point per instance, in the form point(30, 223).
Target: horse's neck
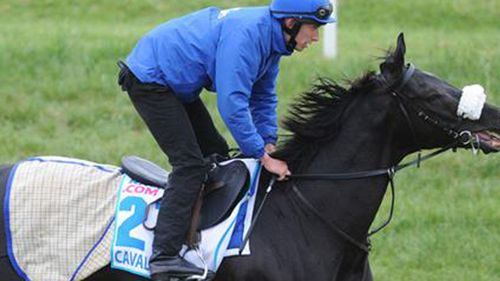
point(352, 204)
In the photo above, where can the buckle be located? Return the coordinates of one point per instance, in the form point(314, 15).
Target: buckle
point(465, 137)
point(324, 12)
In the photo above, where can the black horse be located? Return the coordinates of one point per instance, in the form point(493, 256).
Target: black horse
point(315, 228)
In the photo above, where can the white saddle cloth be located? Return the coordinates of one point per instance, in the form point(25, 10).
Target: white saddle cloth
point(49, 237)
point(61, 223)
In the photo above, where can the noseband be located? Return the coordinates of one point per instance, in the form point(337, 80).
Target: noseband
point(464, 137)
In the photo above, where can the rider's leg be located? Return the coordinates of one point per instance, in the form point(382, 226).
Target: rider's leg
point(209, 138)
point(171, 127)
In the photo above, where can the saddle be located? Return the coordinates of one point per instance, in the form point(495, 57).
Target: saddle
point(225, 186)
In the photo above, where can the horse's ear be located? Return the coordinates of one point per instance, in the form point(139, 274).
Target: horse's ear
point(394, 63)
point(401, 48)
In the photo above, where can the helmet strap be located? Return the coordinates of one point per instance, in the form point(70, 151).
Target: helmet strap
point(290, 45)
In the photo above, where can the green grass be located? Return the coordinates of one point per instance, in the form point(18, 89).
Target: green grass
point(59, 97)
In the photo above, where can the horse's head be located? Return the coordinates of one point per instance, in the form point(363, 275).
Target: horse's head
point(438, 113)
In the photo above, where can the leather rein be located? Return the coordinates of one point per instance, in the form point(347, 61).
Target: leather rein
point(464, 137)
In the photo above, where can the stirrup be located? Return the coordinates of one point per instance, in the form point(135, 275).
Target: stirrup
point(205, 267)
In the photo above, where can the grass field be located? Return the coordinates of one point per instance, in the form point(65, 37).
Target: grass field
point(59, 97)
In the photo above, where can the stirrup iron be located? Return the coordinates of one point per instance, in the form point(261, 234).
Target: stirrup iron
point(205, 267)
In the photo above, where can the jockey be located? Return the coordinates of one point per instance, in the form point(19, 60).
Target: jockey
point(236, 54)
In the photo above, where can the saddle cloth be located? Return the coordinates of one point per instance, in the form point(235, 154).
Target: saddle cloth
point(132, 243)
point(49, 237)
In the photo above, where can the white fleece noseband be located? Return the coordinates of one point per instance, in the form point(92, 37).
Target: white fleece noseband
point(472, 102)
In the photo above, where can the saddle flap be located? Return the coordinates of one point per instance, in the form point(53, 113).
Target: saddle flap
point(144, 171)
point(218, 203)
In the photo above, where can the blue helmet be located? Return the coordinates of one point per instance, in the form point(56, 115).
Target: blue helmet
point(319, 11)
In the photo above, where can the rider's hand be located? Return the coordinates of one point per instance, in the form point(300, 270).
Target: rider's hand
point(275, 166)
point(270, 148)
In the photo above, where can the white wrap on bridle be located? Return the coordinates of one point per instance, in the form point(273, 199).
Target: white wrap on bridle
point(472, 102)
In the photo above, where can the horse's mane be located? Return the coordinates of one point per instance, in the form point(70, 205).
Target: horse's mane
point(316, 117)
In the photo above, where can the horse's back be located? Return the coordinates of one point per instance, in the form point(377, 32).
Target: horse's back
point(4, 176)
point(6, 270)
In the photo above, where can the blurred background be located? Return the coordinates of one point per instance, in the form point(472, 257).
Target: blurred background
point(58, 96)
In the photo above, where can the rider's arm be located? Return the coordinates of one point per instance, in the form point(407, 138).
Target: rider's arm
point(237, 65)
point(263, 104)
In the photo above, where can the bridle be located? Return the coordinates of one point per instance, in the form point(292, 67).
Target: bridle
point(463, 137)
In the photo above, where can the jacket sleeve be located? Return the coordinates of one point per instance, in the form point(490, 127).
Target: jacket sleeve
point(263, 104)
point(237, 64)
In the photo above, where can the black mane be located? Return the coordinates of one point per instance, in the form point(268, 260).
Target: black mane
point(316, 117)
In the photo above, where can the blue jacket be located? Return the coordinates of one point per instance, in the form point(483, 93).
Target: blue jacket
point(233, 52)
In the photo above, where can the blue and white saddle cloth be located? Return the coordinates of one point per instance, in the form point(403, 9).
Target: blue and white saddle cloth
point(67, 218)
point(132, 243)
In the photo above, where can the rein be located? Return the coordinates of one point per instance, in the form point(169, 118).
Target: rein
point(365, 247)
point(389, 172)
point(464, 137)
point(372, 173)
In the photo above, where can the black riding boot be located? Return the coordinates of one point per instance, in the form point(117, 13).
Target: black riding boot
point(173, 268)
point(173, 223)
